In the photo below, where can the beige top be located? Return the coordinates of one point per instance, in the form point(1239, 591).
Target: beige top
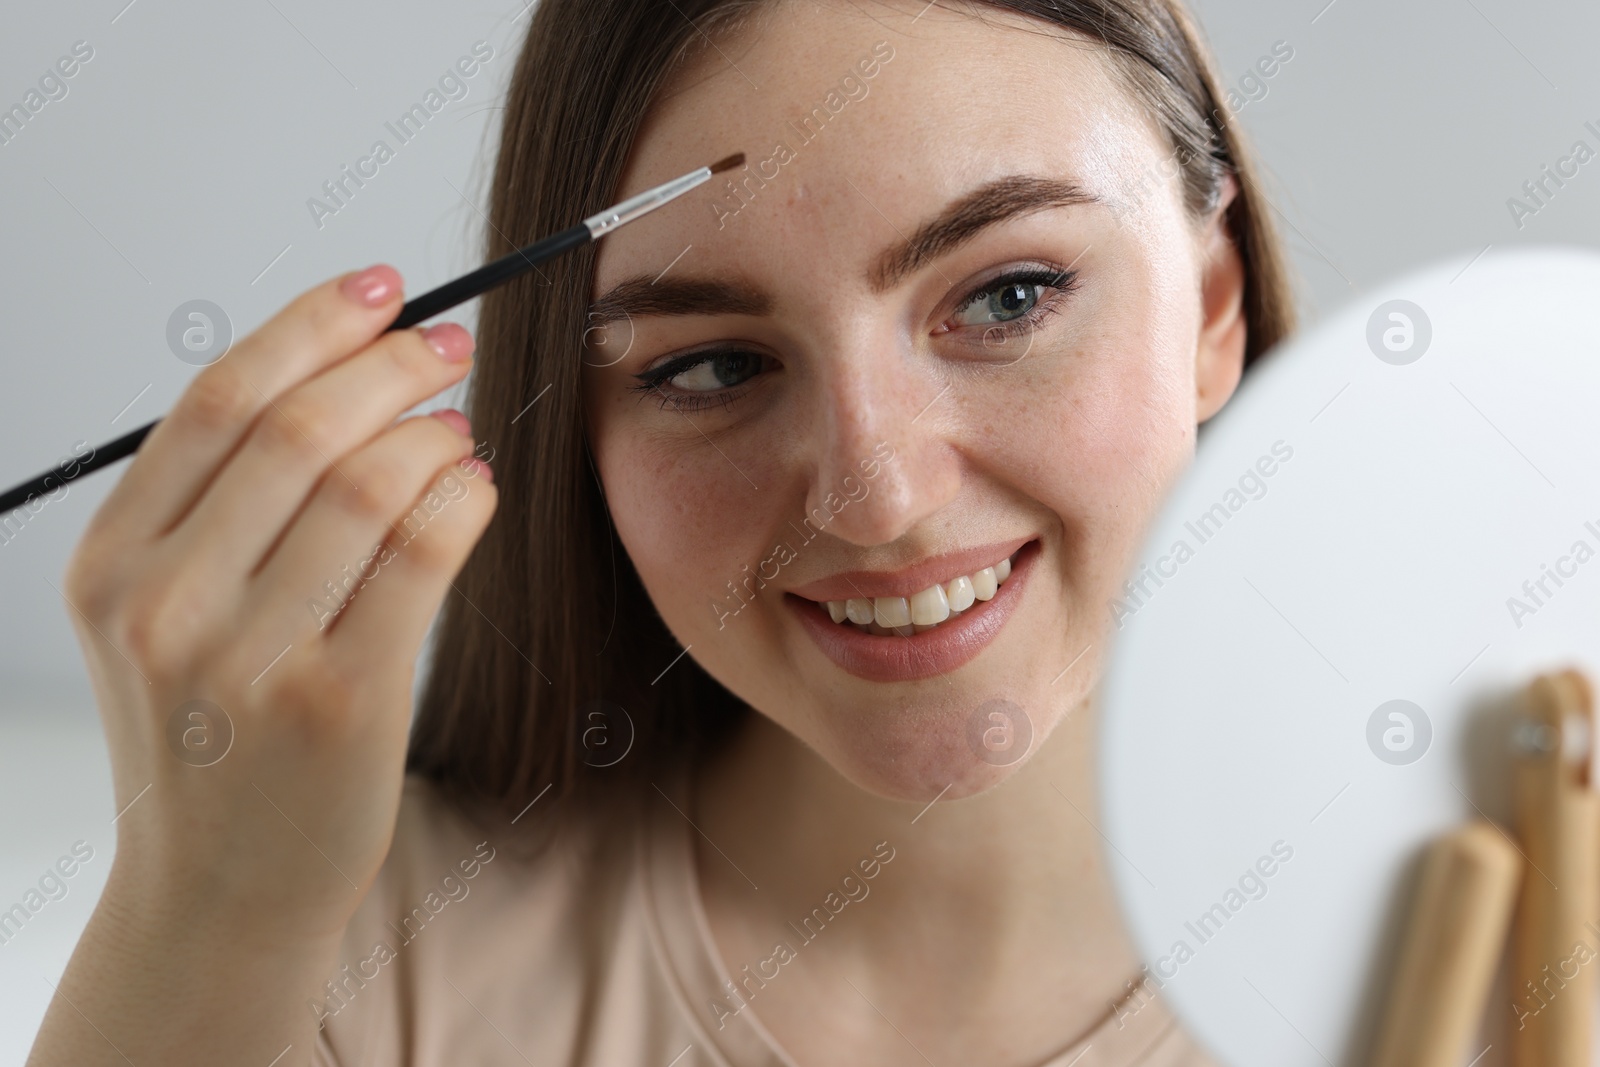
point(595, 954)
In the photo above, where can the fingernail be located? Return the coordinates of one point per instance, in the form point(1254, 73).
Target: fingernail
point(374, 286)
point(455, 420)
point(472, 466)
point(451, 341)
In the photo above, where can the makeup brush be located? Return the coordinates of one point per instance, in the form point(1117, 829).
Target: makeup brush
point(416, 310)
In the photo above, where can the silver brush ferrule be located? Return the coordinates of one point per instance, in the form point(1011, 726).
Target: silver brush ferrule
point(644, 203)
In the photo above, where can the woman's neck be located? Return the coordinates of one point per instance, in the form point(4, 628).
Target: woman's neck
point(991, 920)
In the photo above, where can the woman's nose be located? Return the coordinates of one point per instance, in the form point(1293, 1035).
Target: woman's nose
point(885, 457)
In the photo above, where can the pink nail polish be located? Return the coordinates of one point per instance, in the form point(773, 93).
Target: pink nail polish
point(451, 341)
point(374, 286)
point(455, 420)
point(472, 466)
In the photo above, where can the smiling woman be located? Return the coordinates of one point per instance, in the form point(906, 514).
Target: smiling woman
point(951, 359)
point(992, 203)
point(762, 388)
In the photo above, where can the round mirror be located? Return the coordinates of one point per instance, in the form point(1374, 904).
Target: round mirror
point(1383, 537)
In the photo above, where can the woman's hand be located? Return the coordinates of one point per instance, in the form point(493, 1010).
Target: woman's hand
point(256, 711)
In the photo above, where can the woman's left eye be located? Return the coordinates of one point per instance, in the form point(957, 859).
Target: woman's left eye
point(1011, 298)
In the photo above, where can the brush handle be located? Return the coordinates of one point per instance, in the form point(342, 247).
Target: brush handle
point(417, 309)
point(1454, 937)
point(1558, 823)
point(487, 277)
point(56, 477)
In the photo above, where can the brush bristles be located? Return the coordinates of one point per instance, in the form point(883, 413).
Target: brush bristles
point(735, 160)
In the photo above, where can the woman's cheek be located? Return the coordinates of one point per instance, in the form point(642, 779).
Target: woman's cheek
point(1146, 405)
point(681, 513)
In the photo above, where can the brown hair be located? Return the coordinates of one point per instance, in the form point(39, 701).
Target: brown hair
point(548, 617)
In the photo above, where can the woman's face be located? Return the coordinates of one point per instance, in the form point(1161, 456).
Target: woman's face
point(951, 313)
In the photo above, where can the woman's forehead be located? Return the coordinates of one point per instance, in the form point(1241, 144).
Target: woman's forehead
point(856, 128)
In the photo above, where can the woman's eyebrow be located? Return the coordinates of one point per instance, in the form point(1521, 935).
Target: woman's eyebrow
point(644, 295)
point(990, 203)
point(960, 221)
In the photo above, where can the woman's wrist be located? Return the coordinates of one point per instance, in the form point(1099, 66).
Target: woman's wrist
point(148, 909)
point(181, 979)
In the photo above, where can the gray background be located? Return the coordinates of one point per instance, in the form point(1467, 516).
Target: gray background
point(179, 164)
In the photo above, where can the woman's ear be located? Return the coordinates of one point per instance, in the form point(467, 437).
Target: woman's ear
point(1219, 355)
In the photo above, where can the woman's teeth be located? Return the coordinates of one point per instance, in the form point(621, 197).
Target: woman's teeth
point(922, 611)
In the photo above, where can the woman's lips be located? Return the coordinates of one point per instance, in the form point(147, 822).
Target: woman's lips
point(894, 658)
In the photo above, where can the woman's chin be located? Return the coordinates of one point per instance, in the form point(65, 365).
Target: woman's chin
point(947, 752)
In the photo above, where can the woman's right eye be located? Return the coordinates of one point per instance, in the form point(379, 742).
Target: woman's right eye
point(720, 370)
point(701, 376)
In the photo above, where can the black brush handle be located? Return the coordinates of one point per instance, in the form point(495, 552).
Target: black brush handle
point(418, 309)
point(67, 471)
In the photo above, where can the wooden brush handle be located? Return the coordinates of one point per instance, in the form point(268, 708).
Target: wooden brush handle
point(1454, 936)
point(1558, 826)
